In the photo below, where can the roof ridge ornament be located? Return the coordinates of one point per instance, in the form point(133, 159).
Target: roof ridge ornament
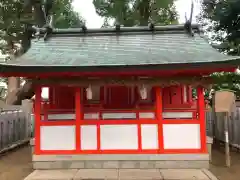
point(118, 27)
point(84, 28)
point(188, 23)
point(151, 26)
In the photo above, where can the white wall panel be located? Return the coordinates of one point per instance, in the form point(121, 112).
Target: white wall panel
point(181, 136)
point(89, 137)
point(119, 137)
point(175, 115)
point(149, 136)
point(119, 115)
point(91, 116)
point(146, 115)
point(57, 137)
point(61, 116)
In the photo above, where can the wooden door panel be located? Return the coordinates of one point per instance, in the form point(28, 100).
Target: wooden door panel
point(117, 97)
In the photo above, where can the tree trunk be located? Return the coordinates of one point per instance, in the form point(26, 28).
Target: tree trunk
point(16, 96)
point(13, 84)
point(144, 12)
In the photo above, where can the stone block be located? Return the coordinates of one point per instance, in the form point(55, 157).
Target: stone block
point(140, 174)
point(104, 174)
point(209, 148)
point(59, 165)
point(182, 164)
point(93, 164)
point(32, 142)
point(52, 175)
point(32, 149)
point(183, 174)
point(147, 164)
point(111, 164)
point(42, 165)
point(129, 164)
point(77, 165)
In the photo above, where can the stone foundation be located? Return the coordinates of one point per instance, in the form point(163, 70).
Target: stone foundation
point(122, 174)
point(121, 161)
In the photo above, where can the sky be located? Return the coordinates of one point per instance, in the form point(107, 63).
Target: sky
point(87, 11)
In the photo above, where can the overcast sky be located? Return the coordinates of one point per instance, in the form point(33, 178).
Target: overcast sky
point(87, 11)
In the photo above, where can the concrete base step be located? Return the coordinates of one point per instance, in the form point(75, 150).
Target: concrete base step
point(122, 174)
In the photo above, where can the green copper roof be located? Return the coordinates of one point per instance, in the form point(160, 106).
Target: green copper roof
point(168, 46)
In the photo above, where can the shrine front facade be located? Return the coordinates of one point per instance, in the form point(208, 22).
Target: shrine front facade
point(117, 120)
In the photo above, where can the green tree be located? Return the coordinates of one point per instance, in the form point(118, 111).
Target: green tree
point(221, 20)
point(137, 12)
point(13, 18)
point(15, 14)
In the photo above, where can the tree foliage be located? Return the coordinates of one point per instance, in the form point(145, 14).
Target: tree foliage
point(13, 18)
point(137, 12)
point(221, 19)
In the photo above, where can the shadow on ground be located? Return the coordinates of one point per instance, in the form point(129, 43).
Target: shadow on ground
point(16, 165)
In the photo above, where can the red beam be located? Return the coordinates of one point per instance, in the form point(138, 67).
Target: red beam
point(133, 72)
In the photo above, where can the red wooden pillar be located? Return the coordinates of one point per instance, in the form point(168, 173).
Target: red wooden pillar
point(79, 116)
point(159, 109)
point(37, 113)
point(201, 116)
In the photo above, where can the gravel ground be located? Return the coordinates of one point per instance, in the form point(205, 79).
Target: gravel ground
point(16, 165)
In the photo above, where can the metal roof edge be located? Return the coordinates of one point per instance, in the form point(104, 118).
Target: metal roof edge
point(231, 60)
point(125, 29)
point(83, 30)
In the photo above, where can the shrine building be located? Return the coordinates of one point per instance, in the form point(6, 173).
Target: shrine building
point(124, 97)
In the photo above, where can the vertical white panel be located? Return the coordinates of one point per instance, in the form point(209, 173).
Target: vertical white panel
point(89, 137)
point(119, 137)
point(149, 136)
point(181, 136)
point(57, 137)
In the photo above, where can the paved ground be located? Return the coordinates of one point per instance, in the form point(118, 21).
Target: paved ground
point(123, 174)
point(17, 165)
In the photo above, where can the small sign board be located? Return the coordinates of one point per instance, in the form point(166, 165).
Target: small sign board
point(224, 101)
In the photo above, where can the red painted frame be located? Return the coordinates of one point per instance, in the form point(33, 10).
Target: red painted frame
point(159, 121)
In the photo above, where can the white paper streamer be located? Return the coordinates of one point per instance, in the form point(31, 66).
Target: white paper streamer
point(143, 92)
point(89, 93)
